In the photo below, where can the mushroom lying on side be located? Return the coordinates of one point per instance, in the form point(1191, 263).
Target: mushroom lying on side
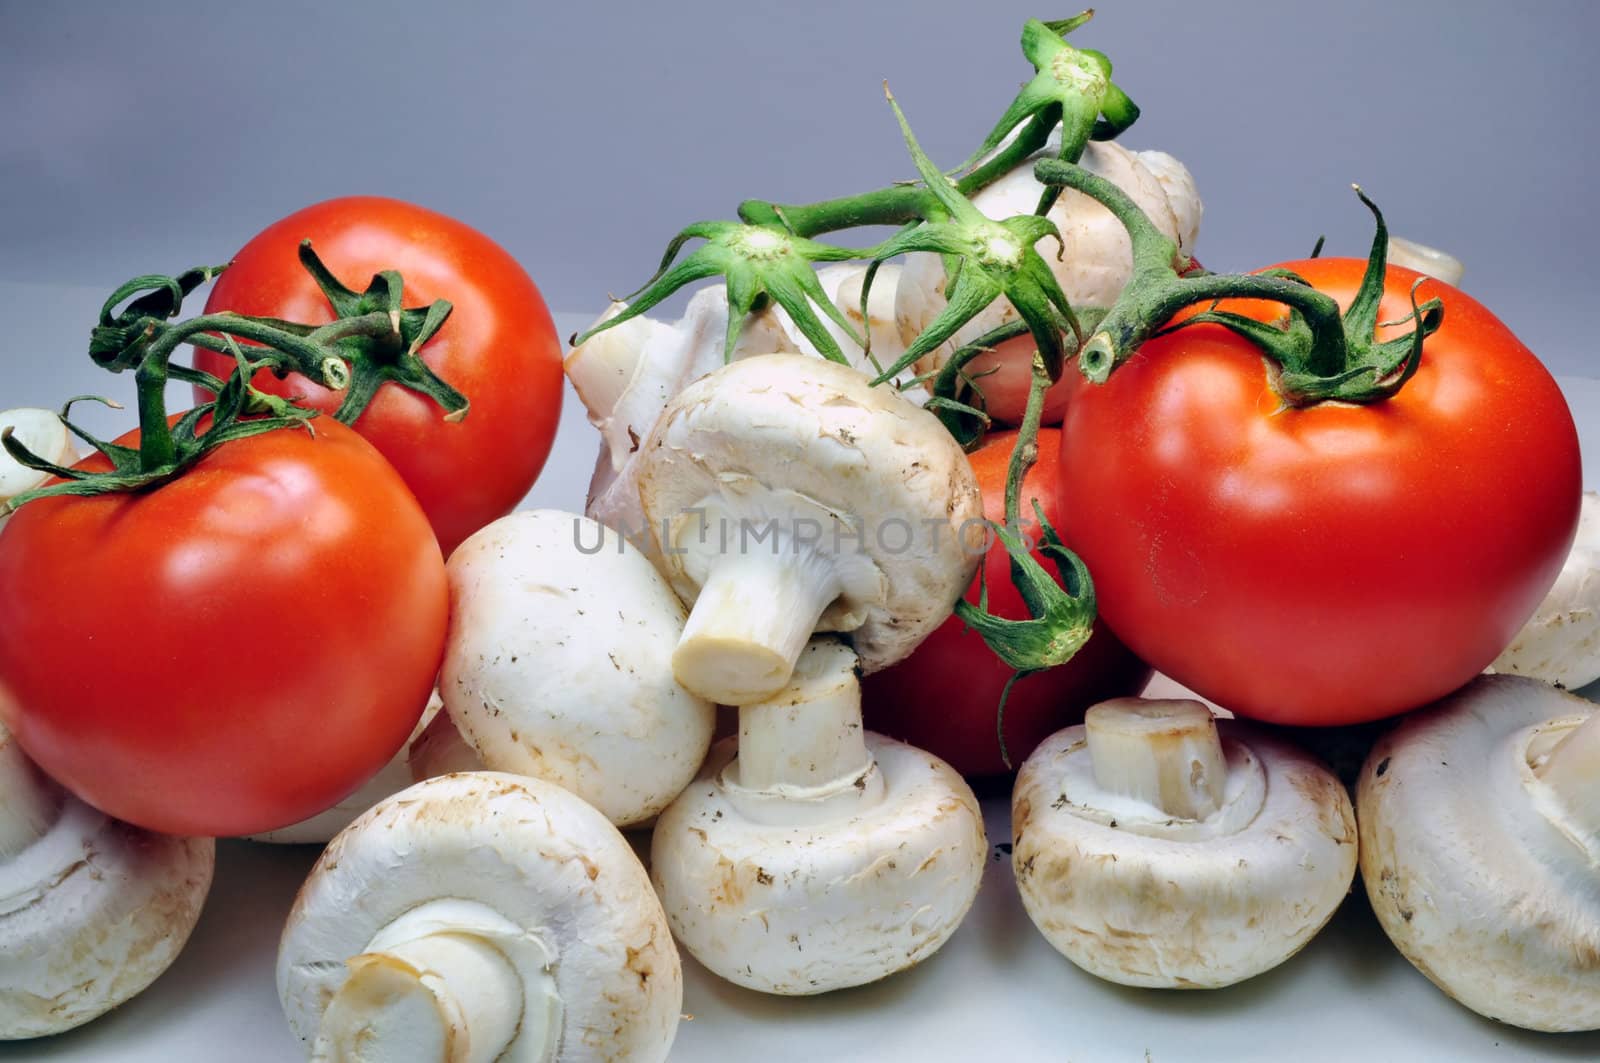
point(1560, 644)
point(480, 917)
point(812, 855)
point(788, 496)
point(1151, 851)
point(92, 910)
point(558, 664)
point(42, 432)
point(1480, 848)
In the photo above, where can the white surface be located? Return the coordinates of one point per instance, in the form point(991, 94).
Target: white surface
point(996, 992)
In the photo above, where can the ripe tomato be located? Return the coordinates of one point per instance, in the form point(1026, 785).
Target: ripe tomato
point(232, 651)
point(1328, 564)
point(499, 348)
point(943, 698)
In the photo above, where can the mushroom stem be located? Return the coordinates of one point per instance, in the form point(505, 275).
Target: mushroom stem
point(754, 615)
point(1425, 259)
point(1572, 772)
point(434, 985)
point(1165, 753)
point(810, 735)
point(29, 802)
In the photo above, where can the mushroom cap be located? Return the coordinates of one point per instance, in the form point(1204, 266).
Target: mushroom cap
point(1482, 893)
point(805, 909)
point(531, 851)
point(558, 663)
point(1560, 644)
point(42, 432)
point(90, 914)
point(785, 441)
point(1211, 903)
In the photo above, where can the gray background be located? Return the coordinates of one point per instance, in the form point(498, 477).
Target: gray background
point(152, 136)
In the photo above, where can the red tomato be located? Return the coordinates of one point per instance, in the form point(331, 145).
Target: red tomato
point(232, 651)
point(1329, 564)
point(499, 348)
point(943, 698)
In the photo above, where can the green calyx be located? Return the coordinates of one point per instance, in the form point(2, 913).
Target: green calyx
point(984, 259)
point(379, 338)
point(1071, 87)
point(1060, 615)
point(374, 340)
point(1320, 354)
point(141, 340)
point(759, 262)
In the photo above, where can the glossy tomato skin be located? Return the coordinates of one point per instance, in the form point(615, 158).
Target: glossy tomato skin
point(943, 697)
point(499, 348)
point(232, 651)
point(1332, 564)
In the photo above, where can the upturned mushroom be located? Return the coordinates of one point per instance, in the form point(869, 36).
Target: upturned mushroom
point(1480, 840)
point(92, 909)
point(478, 917)
point(1560, 644)
point(786, 496)
point(558, 664)
point(43, 433)
point(1151, 850)
point(812, 855)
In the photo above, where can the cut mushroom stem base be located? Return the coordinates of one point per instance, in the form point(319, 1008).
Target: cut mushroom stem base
point(440, 982)
point(1166, 753)
point(1571, 772)
point(754, 615)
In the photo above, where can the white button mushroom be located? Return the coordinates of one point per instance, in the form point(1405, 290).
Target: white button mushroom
point(1094, 264)
point(1480, 848)
point(1560, 644)
point(92, 910)
point(42, 432)
point(558, 663)
point(814, 856)
point(480, 917)
point(1151, 851)
point(787, 495)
